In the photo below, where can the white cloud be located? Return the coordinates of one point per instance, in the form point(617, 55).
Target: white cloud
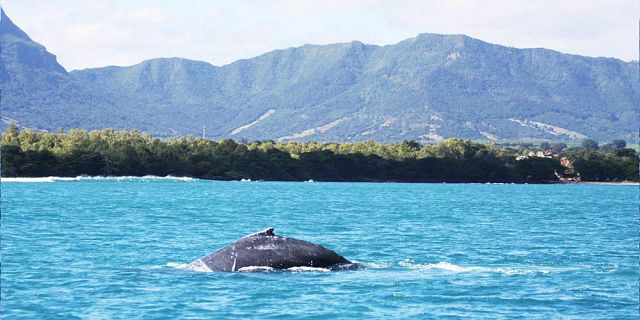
point(93, 33)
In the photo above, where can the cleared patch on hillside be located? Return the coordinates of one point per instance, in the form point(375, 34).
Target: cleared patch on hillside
point(251, 124)
point(551, 129)
point(312, 131)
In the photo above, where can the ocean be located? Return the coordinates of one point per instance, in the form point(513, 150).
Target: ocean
point(116, 248)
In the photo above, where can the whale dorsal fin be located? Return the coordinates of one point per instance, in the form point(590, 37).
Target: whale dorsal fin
point(265, 232)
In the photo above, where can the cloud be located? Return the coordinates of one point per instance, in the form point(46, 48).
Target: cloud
point(93, 33)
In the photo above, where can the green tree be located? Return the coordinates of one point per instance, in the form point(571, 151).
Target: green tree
point(589, 144)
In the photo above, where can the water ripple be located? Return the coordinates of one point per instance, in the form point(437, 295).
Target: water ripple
point(118, 248)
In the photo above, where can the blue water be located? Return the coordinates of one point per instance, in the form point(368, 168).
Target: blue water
point(113, 249)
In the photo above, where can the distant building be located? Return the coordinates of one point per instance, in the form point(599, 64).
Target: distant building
point(537, 154)
point(569, 174)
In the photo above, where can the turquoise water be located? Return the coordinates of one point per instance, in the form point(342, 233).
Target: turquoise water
point(113, 249)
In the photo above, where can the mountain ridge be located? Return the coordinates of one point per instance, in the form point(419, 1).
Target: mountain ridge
point(424, 88)
point(633, 61)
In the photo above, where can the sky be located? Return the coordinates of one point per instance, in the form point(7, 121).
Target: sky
point(97, 33)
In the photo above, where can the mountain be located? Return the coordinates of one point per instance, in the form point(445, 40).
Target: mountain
point(426, 88)
point(38, 93)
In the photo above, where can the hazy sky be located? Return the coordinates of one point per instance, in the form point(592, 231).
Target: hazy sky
point(94, 33)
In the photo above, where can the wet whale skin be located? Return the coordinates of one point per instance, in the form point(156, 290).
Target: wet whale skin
point(266, 249)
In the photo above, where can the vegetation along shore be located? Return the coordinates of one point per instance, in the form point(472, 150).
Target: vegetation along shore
point(108, 152)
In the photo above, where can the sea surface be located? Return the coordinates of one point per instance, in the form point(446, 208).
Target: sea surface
point(116, 248)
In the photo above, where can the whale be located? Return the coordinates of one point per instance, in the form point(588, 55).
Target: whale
point(265, 249)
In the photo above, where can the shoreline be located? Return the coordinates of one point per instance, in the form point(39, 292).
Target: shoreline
point(50, 179)
point(600, 183)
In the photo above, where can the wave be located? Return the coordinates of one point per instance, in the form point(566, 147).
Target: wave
point(202, 268)
point(189, 266)
point(307, 269)
point(292, 269)
point(94, 178)
point(42, 179)
point(510, 271)
point(442, 266)
point(135, 178)
point(256, 269)
point(374, 265)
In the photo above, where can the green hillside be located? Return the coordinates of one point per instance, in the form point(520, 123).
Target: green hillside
point(427, 88)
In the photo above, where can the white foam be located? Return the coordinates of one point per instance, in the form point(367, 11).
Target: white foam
point(197, 265)
point(170, 177)
point(178, 265)
point(42, 179)
point(307, 269)
point(449, 267)
point(374, 265)
point(146, 267)
point(80, 178)
point(256, 269)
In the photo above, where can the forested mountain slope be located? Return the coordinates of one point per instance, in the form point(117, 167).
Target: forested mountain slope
point(425, 88)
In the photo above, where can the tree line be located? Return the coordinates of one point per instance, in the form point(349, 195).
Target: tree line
point(109, 152)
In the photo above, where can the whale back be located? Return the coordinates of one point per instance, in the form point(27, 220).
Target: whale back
point(266, 249)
